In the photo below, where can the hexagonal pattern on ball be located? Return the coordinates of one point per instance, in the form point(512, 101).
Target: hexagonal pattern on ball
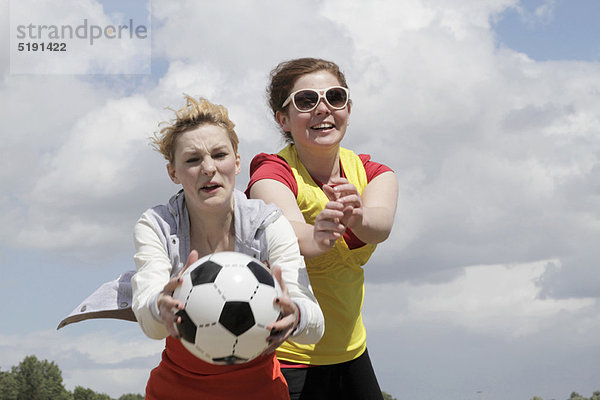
point(264, 295)
point(187, 328)
point(216, 342)
point(237, 317)
point(205, 273)
point(254, 342)
point(261, 274)
point(236, 283)
point(212, 304)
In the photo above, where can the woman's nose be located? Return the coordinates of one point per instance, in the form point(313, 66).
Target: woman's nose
point(208, 166)
point(322, 107)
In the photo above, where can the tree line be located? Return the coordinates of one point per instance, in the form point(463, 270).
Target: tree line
point(576, 396)
point(33, 379)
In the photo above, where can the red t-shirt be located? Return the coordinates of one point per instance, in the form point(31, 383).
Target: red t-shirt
point(272, 166)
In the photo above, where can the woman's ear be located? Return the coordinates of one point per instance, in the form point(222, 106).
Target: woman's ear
point(282, 120)
point(172, 173)
point(238, 165)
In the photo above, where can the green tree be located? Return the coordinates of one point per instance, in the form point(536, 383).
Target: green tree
point(81, 393)
point(596, 395)
point(576, 396)
point(39, 380)
point(536, 398)
point(9, 390)
point(387, 396)
point(131, 396)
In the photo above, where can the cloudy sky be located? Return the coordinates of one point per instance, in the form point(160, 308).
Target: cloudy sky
point(487, 111)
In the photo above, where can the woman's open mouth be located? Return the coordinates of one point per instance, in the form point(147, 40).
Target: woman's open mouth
point(210, 188)
point(323, 126)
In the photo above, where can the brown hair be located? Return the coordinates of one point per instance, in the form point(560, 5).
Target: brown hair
point(194, 114)
point(285, 75)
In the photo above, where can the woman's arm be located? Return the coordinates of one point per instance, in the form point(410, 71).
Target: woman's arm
point(370, 215)
point(284, 254)
point(313, 240)
point(153, 273)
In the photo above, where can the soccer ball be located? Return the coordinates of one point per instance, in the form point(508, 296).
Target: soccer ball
point(228, 304)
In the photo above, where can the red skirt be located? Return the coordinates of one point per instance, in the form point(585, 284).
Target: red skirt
point(180, 376)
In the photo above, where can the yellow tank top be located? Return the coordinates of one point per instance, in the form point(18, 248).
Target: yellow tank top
point(336, 277)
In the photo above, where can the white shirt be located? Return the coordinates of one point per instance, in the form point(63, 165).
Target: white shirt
point(154, 270)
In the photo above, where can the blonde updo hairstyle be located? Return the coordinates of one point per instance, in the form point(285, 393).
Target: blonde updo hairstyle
point(194, 114)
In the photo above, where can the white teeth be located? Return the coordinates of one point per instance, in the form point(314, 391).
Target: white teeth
point(323, 126)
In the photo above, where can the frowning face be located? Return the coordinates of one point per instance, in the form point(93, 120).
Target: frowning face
point(205, 165)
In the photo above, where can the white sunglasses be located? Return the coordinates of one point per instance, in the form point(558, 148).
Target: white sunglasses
point(305, 100)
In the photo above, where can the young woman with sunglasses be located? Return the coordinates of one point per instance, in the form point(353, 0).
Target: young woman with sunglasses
point(341, 205)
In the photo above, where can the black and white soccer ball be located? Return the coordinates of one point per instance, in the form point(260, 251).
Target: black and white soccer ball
point(228, 302)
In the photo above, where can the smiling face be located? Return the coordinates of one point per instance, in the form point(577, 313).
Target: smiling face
point(321, 127)
point(205, 165)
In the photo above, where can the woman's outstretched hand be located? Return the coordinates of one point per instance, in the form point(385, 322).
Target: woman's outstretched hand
point(328, 226)
point(290, 316)
point(345, 193)
point(344, 210)
point(167, 305)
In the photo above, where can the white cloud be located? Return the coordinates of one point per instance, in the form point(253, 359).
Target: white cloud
point(540, 15)
point(480, 138)
point(83, 188)
point(101, 347)
point(499, 301)
point(194, 79)
point(89, 183)
point(487, 144)
point(113, 362)
point(247, 36)
point(95, 160)
point(39, 113)
point(488, 328)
